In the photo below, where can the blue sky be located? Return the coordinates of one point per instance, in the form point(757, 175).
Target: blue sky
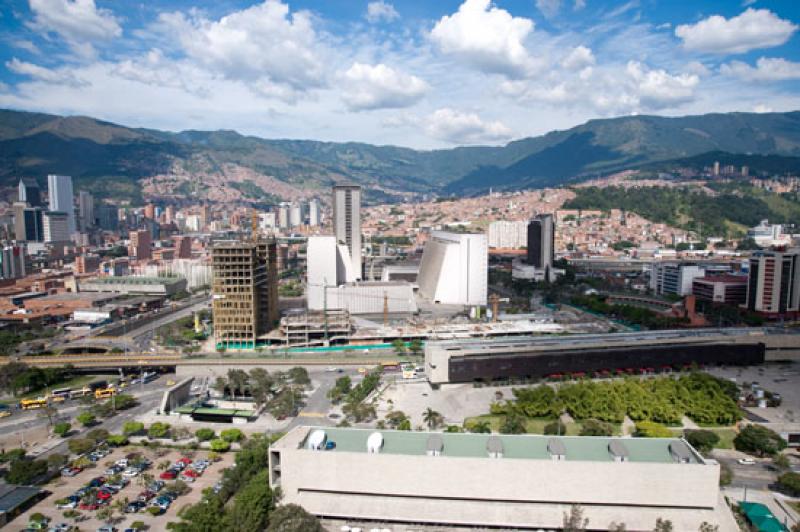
point(415, 73)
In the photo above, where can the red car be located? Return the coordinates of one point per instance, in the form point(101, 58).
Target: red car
point(89, 506)
point(184, 460)
point(146, 495)
point(191, 473)
point(103, 495)
point(168, 475)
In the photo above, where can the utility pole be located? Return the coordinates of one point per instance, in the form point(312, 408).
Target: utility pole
point(325, 307)
point(385, 309)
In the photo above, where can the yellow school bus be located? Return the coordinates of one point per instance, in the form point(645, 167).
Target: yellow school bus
point(104, 393)
point(29, 404)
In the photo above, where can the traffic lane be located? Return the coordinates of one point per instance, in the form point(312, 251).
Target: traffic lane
point(759, 475)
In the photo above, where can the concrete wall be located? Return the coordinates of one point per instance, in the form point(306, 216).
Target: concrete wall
point(177, 395)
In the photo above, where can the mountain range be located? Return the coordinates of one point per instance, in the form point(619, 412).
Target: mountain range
point(133, 163)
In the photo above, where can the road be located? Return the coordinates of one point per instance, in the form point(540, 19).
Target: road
point(317, 405)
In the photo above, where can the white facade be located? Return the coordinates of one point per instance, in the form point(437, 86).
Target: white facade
point(347, 221)
point(296, 215)
point(674, 277)
point(197, 272)
point(61, 198)
point(313, 213)
point(509, 235)
point(369, 297)
point(321, 269)
point(454, 269)
point(12, 262)
point(56, 226)
point(766, 235)
point(283, 216)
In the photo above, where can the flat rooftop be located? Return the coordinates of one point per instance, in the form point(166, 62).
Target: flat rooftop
point(527, 446)
point(134, 280)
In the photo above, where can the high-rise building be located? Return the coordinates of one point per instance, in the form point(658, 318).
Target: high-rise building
point(108, 217)
point(87, 263)
point(140, 246)
point(245, 292)
point(59, 187)
point(283, 216)
point(86, 210)
point(773, 284)
point(28, 223)
point(55, 226)
point(541, 241)
point(313, 212)
point(674, 277)
point(454, 269)
point(29, 192)
point(509, 235)
point(296, 215)
point(150, 211)
point(12, 262)
point(715, 170)
point(183, 246)
point(347, 221)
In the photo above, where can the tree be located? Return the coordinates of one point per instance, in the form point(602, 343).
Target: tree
point(399, 347)
point(432, 418)
point(138, 525)
point(123, 401)
point(340, 389)
point(80, 445)
point(574, 520)
point(55, 461)
point(293, 518)
point(25, 471)
point(595, 427)
point(117, 440)
point(480, 427)
point(790, 483)
point(237, 380)
point(131, 428)
point(708, 527)
point(299, 375)
point(759, 440)
point(98, 435)
point(663, 525)
point(106, 513)
point(781, 462)
point(513, 424)
point(87, 419)
point(415, 347)
point(208, 515)
point(702, 440)
point(232, 435)
point(252, 504)
point(204, 434)
point(62, 428)
point(220, 384)
point(158, 430)
point(180, 487)
point(395, 418)
point(220, 446)
point(557, 427)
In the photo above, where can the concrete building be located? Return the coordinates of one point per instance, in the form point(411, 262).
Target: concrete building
point(454, 269)
point(727, 289)
point(674, 277)
point(183, 246)
point(328, 264)
point(108, 217)
point(28, 223)
point(86, 210)
point(773, 286)
point(313, 213)
point(12, 262)
point(55, 226)
point(347, 222)
point(59, 188)
point(508, 235)
point(541, 241)
point(296, 215)
point(141, 245)
point(135, 285)
point(766, 234)
point(372, 297)
point(29, 192)
point(496, 481)
point(245, 292)
point(283, 216)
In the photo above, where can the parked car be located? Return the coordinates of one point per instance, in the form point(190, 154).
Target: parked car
point(170, 494)
point(186, 478)
point(71, 503)
point(146, 495)
point(135, 506)
point(156, 485)
point(106, 528)
point(70, 471)
point(746, 461)
point(61, 527)
point(130, 473)
point(191, 473)
point(104, 494)
point(169, 474)
point(89, 506)
point(113, 470)
point(122, 462)
point(96, 482)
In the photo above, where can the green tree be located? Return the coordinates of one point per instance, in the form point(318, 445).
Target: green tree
point(220, 446)
point(131, 428)
point(790, 483)
point(513, 424)
point(702, 440)
point(651, 429)
point(208, 515)
point(252, 504)
point(415, 347)
point(98, 435)
point(123, 401)
point(432, 418)
point(232, 435)
point(62, 428)
point(480, 427)
point(117, 440)
point(781, 462)
point(80, 445)
point(663, 525)
point(293, 518)
point(56, 460)
point(404, 425)
point(340, 389)
point(574, 520)
point(399, 347)
point(158, 430)
point(299, 375)
point(204, 434)
point(86, 419)
point(556, 427)
point(25, 471)
point(758, 440)
point(237, 381)
point(595, 427)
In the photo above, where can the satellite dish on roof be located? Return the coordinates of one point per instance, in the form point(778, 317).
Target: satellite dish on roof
point(375, 442)
point(316, 440)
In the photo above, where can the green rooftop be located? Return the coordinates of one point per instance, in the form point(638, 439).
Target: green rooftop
point(192, 409)
point(528, 446)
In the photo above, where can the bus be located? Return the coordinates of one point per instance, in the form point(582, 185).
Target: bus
point(83, 392)
point(390, 366)
point(60, 395)
point(29, 404)
point(104, 393)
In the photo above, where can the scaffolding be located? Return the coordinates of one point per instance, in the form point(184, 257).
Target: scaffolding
point(316, 328)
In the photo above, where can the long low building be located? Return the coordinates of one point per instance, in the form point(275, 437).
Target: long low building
point(501, 481)
point(535, 357)
point(131, 284)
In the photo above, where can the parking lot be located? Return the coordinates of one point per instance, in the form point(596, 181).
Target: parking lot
point(65, 486)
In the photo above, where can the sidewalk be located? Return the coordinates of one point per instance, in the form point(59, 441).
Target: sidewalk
point(774, 501)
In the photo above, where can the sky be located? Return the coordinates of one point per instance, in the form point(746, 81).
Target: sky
point(418, 73)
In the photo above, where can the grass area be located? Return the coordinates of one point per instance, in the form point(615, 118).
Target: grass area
point(532, 425)
point(795, 506)
point(726, 435)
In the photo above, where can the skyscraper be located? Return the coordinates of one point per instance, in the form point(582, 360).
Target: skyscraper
point(140, 245)
point(86, 210)
point(347, 221)
point(541, 241)
point(313, 212)
point(28, 223)
point(12, 262)
point(56, 226)
point(773, 285)
point(59, 187)
point(29, 192)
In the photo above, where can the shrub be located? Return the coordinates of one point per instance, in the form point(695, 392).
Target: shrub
point(98, 435)
point(651, 429)
point(80, 445)
point(556, 427)
point(756, 439)
point(702, 440)
point(595, 427)
point(130, 428)
point(86, 419)
point(12, 455)
point(790, 483)
point(56, 460)
point(154, 510)
point(231, 435)
point(117, 440)
point(220, 446)
point(204, 434)
point(138, 525)
point(158, 430)
point(62, 428)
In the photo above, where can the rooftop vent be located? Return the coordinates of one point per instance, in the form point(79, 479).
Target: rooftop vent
point(618, 451)
point(556, 449)
point(680, 452)
point(435, 445)
point(494, 446)
point(375, 442)
point(316, 440)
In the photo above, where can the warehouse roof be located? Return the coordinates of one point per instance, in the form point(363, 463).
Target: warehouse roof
point(135, 280)
point(528, 446)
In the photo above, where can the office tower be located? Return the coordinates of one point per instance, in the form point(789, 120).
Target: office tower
point(541, 241)
point(86, 210)
point(454, 269)
point(296, 215)
point(715, 170)
point(674, 277)
point(773, 284)
point(313, 212)
point(245, 292)
point(12, 262)
point(87, 263)
point(30, 228)
point(347, 221)
point(183, 246)
point(745, 171)
point(59, 187)
point(169, 214)
point(29, 192)
point(508, 235)
point(56, 226)
point(140, 245)
point(150, 211)
point(283, 216)
point(108, 217)
point(205, 216)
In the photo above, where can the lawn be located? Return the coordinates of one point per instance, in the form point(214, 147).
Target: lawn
point(533, 425)
point(726, 435)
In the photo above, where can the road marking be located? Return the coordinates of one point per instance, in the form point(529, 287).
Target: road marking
point(311, 414)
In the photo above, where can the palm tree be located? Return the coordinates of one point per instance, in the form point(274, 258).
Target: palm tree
point(432, 418)
point(220, 384)
point(481, 427)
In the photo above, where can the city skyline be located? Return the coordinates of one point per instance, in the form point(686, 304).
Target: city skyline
point(411, 73)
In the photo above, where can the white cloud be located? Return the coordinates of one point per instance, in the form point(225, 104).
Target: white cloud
point(766, 69)
point(380, 10)
point(26, 45)
point(460, 127)
point(549, 8)
point(658, 89)
point(696, 67)
point(276, 52)
point(380, 87)
point(59, 76)
point(578, 5)
point(753, 29)
point(486, 37)
point(78, 22)
point(578, 58)
point(761, 108)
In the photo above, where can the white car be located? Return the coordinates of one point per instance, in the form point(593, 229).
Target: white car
point(130, 473)
point(122, 462)
point(746, 461)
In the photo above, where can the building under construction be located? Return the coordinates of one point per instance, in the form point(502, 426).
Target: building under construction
point(245, 288)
